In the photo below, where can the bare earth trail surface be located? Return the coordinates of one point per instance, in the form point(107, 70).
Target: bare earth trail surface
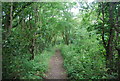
point(56, 69)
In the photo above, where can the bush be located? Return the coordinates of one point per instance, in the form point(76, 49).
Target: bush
point(84, 58)
point(83, 65)
point(18, 67)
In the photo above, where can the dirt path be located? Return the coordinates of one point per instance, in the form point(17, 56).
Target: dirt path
point(56, 70)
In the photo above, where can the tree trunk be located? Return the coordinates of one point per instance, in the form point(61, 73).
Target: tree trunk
point(65, 37)
point(32, 49)
point(110, 46)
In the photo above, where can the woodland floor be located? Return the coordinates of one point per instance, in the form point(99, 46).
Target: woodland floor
point(56, 69)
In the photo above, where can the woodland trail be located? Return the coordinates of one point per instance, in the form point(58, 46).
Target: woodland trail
point(56, 70)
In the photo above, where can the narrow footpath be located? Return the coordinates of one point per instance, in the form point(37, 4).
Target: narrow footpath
point(56, 69)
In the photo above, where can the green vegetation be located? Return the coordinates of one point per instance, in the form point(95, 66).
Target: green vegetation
point(26, 69)
point(86, 33)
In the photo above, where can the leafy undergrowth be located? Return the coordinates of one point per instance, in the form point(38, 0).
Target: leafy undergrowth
point(84, 64)
point(21, 68)
point(85, 58)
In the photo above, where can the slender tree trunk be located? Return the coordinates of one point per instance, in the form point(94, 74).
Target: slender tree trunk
point(11, 18)
point(65, 37)
point(33, 41)
point(32, 49)
point(8, 21)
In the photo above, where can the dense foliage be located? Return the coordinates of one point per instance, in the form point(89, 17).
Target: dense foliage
point(88, 37)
